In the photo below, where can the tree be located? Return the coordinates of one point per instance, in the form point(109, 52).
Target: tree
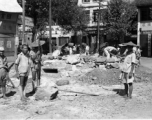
point(143, 2)
point(65, 13)
point(119, 18)
point(38, 10)
point(69, 15)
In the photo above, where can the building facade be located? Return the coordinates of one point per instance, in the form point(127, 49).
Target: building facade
point(29, 24)
point(59, 37)
point(92, 7)
point(145, 29)
point(9, 12)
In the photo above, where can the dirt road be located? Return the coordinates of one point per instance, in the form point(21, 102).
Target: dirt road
point(108, 104)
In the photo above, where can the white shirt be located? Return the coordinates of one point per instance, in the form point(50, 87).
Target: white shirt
point(87, 48)
point(126, 66)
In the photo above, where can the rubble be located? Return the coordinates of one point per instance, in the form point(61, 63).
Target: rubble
point(46, 94)
point(62, 82)
point(73, 59)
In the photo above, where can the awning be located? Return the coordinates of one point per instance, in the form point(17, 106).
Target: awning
point(10, 6)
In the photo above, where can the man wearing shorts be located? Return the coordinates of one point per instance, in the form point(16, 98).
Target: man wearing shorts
point(22, 65)
point(128, 70)
point(3, 72)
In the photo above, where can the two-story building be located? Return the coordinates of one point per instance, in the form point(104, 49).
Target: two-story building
point(59, 37)
point(145, 26)
point(29, 24)
point(9, 11)
point(92, 7)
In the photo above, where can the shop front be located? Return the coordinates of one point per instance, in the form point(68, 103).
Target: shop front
point(91, 37)
point(146, 38)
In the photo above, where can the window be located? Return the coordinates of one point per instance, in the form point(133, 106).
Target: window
point(9, 16)
point(146, 14)
point(3, 15)
point(63, 40)
point(86, 0)
point(95, 15)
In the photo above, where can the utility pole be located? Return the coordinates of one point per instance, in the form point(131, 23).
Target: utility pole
point(98, 28)
point(23, 5)
point(50, 29)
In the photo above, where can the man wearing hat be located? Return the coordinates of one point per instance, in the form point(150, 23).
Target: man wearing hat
point(4, 72)
point(128, 70)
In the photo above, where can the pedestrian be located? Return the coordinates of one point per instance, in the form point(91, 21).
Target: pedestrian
point(138, 55)
point(3, 72)
point(36, 63)
point(107, 51)
point(19, 50)
point(128, 72)
point(74, 49)
point(70, 51)
point(87, 48)
point(22, 66)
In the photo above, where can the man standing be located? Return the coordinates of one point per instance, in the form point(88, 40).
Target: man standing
point(22, 66)
point(87, 50)
point(3, 72)
point(128, 71)
point(36, 61)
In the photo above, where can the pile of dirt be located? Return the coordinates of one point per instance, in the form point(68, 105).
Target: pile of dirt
point(111, 76)
point(101, 77)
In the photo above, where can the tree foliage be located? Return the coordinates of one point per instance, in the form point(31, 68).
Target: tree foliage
point(38, 10)
point(65, 12)
point(119, 18)
point(69, 15)
point(143, 2)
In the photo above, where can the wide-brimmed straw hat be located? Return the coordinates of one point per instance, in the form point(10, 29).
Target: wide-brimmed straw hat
point(130, 44)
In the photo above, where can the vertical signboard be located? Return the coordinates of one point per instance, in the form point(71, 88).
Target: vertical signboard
point(149, 44)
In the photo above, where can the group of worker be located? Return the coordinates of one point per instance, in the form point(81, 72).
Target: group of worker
point(31, 60)
point(27, 60)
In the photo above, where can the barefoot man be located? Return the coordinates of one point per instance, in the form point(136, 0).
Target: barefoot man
point(22, 65)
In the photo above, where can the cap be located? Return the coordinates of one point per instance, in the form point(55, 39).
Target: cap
point(1, 48)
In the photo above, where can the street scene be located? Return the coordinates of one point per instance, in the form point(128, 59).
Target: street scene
point(75, 59)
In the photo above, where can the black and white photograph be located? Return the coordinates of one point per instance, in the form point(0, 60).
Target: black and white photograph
point(75, 59)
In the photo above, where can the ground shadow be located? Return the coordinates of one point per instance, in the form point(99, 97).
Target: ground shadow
point(11, 93)
point(31, 93)
point(48, 70)
point(120, 92)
